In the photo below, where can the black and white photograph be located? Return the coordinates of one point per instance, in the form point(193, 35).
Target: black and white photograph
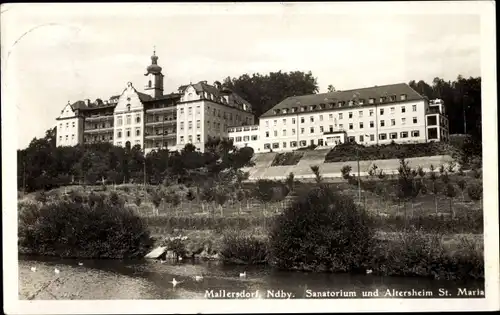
point(249, 157)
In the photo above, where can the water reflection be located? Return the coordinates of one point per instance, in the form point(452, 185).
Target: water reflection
point(112, 279)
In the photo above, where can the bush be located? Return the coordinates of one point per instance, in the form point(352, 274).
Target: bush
point(475, 191)
point(346, 171)
point(243, 249)
point(321, 231)
point(416, 254)
point(96, 229)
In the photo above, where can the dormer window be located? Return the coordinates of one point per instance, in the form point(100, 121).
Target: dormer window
point(276, 111)
point(371, 101)
point(403, 97)
point(285, 110)
point(351, 103)
point(303, 108)
point(341, 104)
point(312, 107)
point(361, 102)
point(382, 99)
point(294, 109)
point(322, 106)
point(331, 105)
point(393, 98)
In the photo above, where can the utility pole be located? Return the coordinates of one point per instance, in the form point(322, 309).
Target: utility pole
point(465, 121)
point(24, 175)
point(144, 171)
point(359, 180)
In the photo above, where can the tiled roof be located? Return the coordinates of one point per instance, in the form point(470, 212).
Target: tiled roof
point(165, 97)
point(78, 105)
point(202, 87)
point(365, 94)
point(144, 97)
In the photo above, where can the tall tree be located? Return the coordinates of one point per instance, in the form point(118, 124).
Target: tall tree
point(331, 88)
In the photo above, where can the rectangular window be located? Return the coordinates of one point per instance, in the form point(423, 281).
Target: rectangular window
point(360, 113)
point(119, 135)
point(254, 138)
point(351, 126)
point(403, 121)
point(190, 110)
point(238, 139)
point(371, 112)
point(293, 144)
point(182, 111)
point(372, 137)
point(393, 122)
point(67, 125)
point(198, 124)
point(293, 131)
point(293, 121)
point(360, 125)
point(414, 108)
point(341, 126)
point(275, 122)
point(72, 137)
point(371, 124)
point(129, 120)
point(403, 109)
point(276, 133)
point(246, 138)
point(137, 119)
point(190, 138)
point(73, 124)
point(182, 139)
point(320, 117)
point(284, 132)
point(381, 111)
point(382, 136)
point(350, 115)
point(276, 145)
point(414, 120)
point(267, 134)
point(393, 135)
point(284, 121)
point(198, 111)
point(351, 139)
point(301, 131)
point(303, 143)
point(361, 139)
point(392, 110)
point(182, 125)
point(403, 97)
point(312, 129)
point(267, 123)
point(431, 120)
point(321, 129)
point(302, 120)
point(312, 118)
point(267, 146)
point(371, 100)
point(284, 145)
point(190, 125)
point(432, 133)
point(382, 123)
point(340, 115)
point(330, 116)
point(138, 132)
point(128, 133)
point(404, 134)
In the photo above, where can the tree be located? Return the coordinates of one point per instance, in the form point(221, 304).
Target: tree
point(435, 187)
point(317, 175)
point(462, 184)
point(408, 186)
point(290, 182)
point(451, 192)
point(331, 88)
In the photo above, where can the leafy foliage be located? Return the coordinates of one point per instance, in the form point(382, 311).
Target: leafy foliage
point(321, 230)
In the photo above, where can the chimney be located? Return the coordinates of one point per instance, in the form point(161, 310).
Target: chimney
point(87, 102)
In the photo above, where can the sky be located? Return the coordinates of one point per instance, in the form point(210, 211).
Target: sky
point(52, 54)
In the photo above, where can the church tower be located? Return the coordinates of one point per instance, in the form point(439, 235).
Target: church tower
point(154, 81)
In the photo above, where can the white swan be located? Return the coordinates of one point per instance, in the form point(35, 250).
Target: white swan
point(368, 271)
point(33, 269)
point(243, 275)
point(57, 271)
point(80, 264)
point(198, 278)
point(175, 282)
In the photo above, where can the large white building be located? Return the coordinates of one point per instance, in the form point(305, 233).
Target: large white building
point(152, 119)
point(197, 112)
point(369, 116)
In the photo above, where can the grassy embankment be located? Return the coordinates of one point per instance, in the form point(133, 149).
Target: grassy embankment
point(240, 229)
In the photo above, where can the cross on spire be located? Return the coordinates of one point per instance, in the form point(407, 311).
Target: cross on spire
point(154, 50)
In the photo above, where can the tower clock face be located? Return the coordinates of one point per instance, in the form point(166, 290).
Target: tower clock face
point(128, 99)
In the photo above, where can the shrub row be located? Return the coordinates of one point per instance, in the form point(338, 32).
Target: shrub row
point(287, 158)
point(348, 151)
point(95, 227)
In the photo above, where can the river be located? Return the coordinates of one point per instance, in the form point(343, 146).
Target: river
point(115, 279)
